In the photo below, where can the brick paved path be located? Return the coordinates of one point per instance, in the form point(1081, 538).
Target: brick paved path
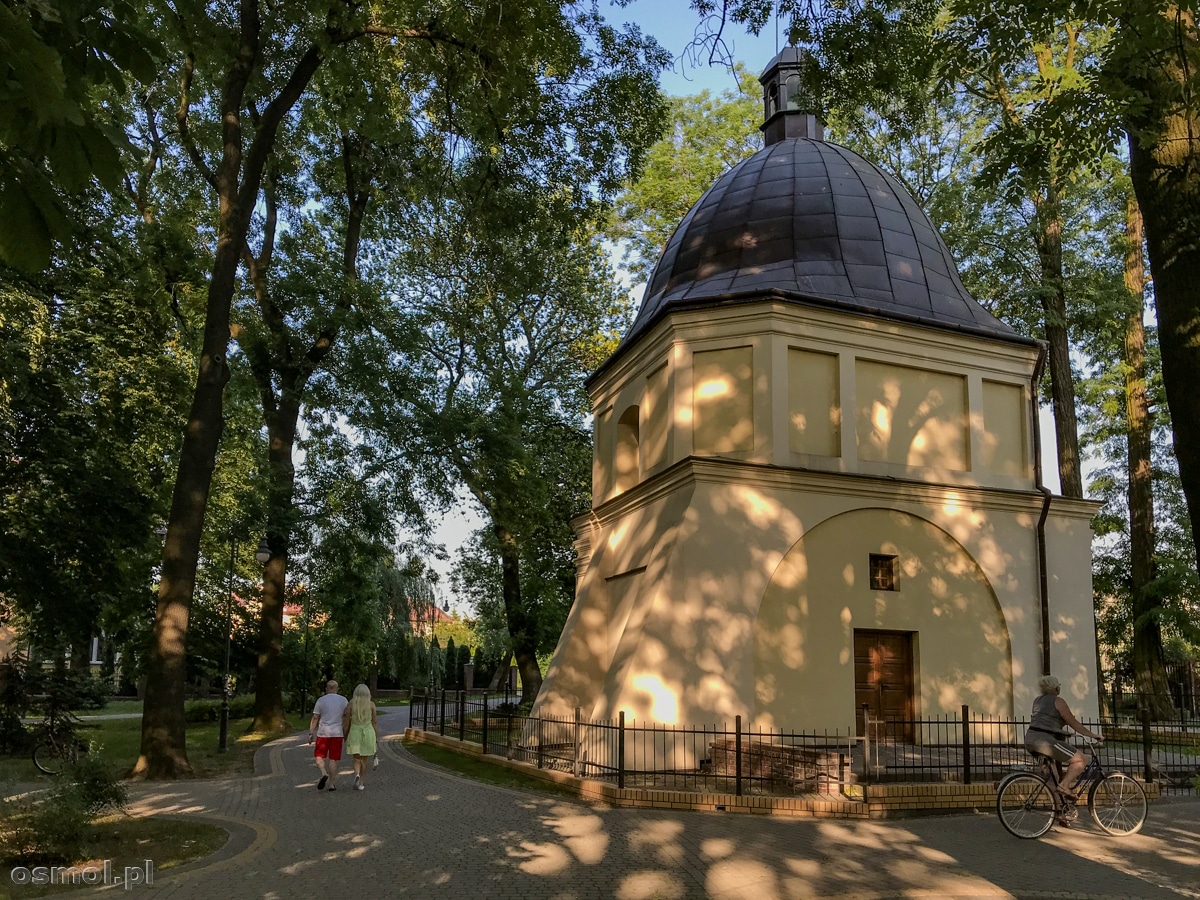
point(416, 832)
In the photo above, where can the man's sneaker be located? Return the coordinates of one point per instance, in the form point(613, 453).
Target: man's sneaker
point(321, 784)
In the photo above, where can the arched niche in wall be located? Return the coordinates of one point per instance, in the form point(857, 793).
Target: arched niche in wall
point(627, 464)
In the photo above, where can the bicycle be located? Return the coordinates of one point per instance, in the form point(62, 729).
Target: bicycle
point(58, 745)
point(1030, 802)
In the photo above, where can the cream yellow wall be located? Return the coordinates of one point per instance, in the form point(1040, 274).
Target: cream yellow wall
point(723, 401)
point(873, 397)
point(688, 645)
point(911, 417)
point(814, 403)
point(820, 594)
point(1004, 444)
point(655, 412)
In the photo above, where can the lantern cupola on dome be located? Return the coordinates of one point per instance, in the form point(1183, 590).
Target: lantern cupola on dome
point(791, 109)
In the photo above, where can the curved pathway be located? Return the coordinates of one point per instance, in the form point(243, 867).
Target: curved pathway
point(419, 832)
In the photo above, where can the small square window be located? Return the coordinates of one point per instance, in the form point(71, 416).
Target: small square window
point(883, 572)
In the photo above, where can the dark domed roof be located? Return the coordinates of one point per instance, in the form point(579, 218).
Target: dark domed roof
point(814, 223)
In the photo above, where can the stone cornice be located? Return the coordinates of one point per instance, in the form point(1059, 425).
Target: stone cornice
point(714, 470)
point(907, 343)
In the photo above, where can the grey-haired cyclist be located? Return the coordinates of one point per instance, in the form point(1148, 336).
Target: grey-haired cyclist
point(1046, 735)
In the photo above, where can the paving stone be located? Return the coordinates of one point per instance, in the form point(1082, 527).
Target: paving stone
point(419, 832)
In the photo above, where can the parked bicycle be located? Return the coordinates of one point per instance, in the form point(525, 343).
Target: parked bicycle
point(1030, 802)
point(57, 744)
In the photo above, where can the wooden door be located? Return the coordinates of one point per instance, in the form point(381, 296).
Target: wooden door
point(883, 680)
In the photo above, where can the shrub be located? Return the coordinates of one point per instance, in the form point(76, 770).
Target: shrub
point(14, 702)
point(201, 711)
point(96, 784)
point(49, 829)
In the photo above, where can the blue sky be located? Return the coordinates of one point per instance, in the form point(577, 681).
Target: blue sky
point(674, 23)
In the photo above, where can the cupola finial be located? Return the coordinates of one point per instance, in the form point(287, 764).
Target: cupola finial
point(790, 108)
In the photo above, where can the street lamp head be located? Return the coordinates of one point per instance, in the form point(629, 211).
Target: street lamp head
point(263, 553)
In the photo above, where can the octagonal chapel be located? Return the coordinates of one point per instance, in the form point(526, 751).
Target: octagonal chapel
point(816, 482)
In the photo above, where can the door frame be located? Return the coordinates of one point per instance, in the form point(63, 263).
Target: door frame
point(907, 732)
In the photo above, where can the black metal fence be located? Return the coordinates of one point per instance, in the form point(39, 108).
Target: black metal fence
point(733, 758)
point(1183, 693)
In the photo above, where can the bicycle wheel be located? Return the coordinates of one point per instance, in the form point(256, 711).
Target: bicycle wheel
point(51, 759)
point(1025, 805)
point(1118, 804)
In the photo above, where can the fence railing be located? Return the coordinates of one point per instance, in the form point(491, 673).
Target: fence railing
point(734, 758)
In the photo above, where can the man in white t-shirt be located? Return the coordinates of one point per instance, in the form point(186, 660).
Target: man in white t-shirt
point(327, 723)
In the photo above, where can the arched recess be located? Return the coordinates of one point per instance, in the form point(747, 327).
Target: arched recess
point(627, 464)
point(820, 594)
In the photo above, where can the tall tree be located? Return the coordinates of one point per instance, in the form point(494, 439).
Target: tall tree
point(1147, 635)
point(60, 60)
point(242, 70)
point(705, 136)
point(516, 305)
point(92, 367)
point(1152, 75)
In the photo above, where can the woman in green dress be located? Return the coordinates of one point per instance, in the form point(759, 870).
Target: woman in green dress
point(361, 726)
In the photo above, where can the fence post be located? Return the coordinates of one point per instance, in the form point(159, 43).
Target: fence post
point(1147, 745)
point(866, 710)
point(966, 744)
point(541, 754)
point(442, 715)
point(461, 700)
point(425, 710)
point(621, 751)
point(485, 723)
point(508, 736)
point(737, 755)
point(578, 741)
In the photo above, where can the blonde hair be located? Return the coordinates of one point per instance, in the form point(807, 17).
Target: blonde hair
point(1048, 684)
point(360, 705)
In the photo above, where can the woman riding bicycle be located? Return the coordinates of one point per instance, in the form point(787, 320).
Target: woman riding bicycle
point(1045, 736)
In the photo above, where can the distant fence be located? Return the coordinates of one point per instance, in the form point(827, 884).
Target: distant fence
point(963, 749)
point(1183, 692)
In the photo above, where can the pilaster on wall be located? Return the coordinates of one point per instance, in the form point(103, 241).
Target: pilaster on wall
point(849, 399)
point(975, 422)
point(681, 408)
point(779, 419)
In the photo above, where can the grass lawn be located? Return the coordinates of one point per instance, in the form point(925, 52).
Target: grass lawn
point(389, 701)
point(120, 740)
point(113, 707)
point(130, 842)
point(479, 769)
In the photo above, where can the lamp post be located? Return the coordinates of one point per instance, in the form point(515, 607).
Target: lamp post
point(223, 736)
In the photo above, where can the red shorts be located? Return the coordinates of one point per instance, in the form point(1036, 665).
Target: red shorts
point(328, 748)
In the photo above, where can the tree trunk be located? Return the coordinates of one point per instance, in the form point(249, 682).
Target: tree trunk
point(269, 714)
point(163, 751)
point(81, 654)
point(1149, 671)
point(281, 416)
point(1164, 163)
point(236, 180)
point(1054, 308)
point(521, 628)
